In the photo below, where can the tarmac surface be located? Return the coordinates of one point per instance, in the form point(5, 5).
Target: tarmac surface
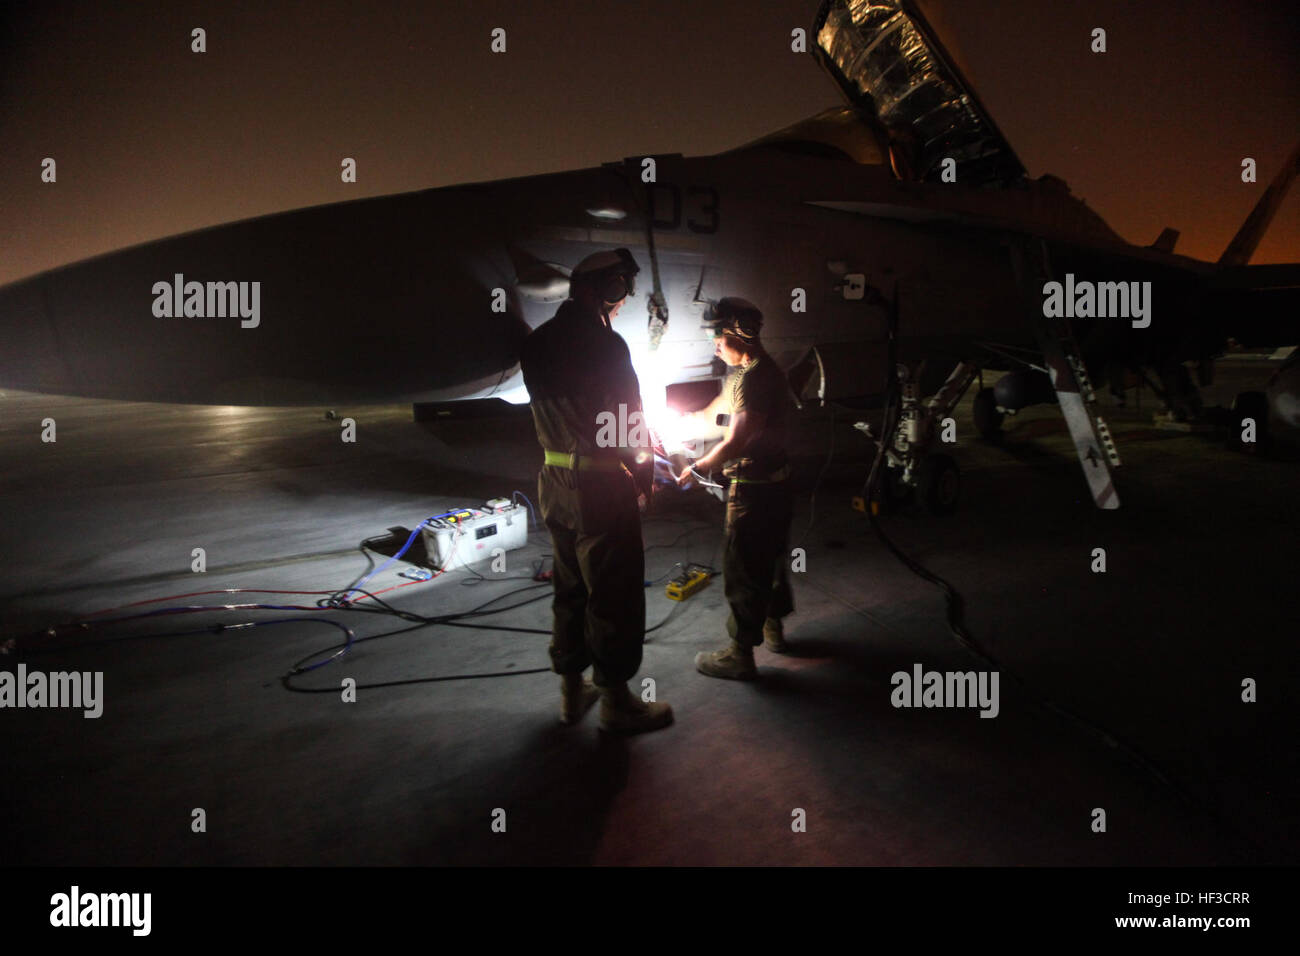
point(811, 764)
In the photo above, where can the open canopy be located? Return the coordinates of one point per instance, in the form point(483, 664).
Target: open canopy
point(890, 64)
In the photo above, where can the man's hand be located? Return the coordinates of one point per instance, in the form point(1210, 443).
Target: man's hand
point(685, 476)
point(643, 476)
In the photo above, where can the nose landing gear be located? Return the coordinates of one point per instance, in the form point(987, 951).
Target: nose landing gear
point(914, 470)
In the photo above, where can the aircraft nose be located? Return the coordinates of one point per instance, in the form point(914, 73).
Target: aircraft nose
point(363, 301)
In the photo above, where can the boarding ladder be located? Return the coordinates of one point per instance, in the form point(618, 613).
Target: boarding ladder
point(1092, 439)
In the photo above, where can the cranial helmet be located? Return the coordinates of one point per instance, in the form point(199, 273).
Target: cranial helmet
point(734, 316)
point(611, 274)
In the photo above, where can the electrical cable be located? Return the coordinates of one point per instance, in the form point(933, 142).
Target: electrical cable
point(664, 575)
point(450, 620)
point(689, 531)
point(331, 601)
point(677, 606)
point(366, 550)
point(704, 482)
point(342, 600)
point(286, 680)
point(177, 597)
point(955, 606)
point(395, 557)
point(350, 638)
point(531, 514)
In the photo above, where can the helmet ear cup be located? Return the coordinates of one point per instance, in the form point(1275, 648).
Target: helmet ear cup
point(613, 288)
point(609, 275)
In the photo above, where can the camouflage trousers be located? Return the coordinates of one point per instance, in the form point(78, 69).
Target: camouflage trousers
point(755, 561)
point(599, 602)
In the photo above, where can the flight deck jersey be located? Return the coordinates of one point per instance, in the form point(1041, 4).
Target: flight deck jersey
point(761, 387)
point(578, 372)
point(575, 368)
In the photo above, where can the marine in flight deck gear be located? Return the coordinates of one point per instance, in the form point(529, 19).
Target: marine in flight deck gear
point(575, 368)
point(760, 503)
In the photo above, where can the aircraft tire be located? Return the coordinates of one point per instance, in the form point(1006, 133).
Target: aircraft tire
point(938, 484)
point(892, 495)
point(988, 420)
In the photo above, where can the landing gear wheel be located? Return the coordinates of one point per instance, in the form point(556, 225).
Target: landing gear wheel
point(1249, 405)
point(891, 494)
point(938, 483)
point(895, 493)
point(988, 420)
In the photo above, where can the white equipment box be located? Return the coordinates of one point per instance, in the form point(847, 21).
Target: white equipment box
point(457, 538)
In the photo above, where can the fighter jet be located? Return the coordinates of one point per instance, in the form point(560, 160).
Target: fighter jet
point(894, 242)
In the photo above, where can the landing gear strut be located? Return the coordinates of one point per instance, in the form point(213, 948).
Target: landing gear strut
point(932, 478)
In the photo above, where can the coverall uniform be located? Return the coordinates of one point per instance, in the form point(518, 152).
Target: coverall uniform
point(575, 368)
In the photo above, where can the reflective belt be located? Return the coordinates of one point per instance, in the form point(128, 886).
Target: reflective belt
point(779, 475)
point(574, 462)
